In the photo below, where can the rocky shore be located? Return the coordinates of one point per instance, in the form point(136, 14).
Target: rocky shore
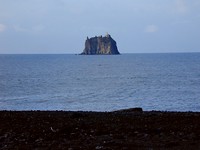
point(126, 129)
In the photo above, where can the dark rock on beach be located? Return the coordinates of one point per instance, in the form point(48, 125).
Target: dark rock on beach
point(137, 109)
point(126, 129)
point(100, 46)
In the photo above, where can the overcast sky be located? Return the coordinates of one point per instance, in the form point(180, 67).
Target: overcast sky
point(61, 26)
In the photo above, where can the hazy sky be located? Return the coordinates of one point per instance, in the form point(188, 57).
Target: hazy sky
point(61, 26)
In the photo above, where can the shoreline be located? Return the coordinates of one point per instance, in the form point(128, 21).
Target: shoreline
point(123, 129)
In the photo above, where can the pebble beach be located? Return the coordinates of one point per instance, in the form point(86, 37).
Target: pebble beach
point(123, 129)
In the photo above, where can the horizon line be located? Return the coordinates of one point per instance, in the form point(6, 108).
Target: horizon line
point(79, 53)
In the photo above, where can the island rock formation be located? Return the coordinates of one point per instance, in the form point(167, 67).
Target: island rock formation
point(100, 46)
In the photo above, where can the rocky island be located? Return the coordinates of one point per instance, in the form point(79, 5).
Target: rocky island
point(100, 46)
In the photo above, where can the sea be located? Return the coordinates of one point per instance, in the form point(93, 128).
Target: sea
point(68, 82)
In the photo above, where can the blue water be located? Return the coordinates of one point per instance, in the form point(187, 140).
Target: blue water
point(100, 83)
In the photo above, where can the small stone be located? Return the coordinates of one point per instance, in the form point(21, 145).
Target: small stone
point(99, 147)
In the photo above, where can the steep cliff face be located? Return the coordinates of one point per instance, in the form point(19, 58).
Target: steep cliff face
point(100, 46)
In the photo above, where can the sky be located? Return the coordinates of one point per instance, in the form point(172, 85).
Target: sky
point(62, 26)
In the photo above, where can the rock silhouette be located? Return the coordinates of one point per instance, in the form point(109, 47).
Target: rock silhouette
point(100, 46)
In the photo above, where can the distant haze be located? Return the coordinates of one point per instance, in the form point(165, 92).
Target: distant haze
point(62, 26)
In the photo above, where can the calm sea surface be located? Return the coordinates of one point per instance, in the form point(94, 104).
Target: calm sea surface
point(100, 83)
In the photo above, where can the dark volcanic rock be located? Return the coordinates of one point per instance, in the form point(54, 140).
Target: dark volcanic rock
point(100, 46)
point(137, 109)
point(99, 130)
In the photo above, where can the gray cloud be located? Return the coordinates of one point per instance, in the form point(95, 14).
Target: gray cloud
point(151, 28)
point(182, 6)
point(2, 27)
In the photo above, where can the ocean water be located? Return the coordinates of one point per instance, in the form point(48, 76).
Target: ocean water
point(167, 82)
